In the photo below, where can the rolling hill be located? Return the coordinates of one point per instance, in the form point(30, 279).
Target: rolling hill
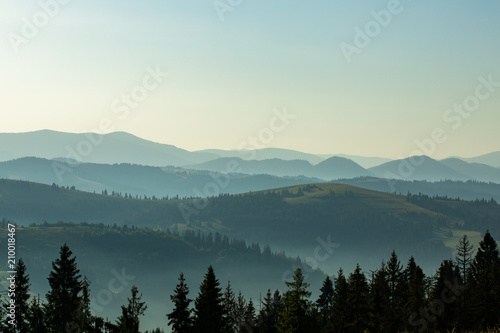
point(468, 190)
point(366, 225)
point(140, 180)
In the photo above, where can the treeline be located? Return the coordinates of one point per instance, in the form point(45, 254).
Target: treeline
point(339, 213)
point(66, 307)
point(462, 295)
point(468, 190)
point(478, 214)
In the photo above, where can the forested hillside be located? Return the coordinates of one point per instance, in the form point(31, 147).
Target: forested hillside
point(150, 259)
point(362, 225)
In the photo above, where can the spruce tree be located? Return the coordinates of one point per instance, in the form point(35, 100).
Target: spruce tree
point(36, 317)
point(129, 321)
point(249, 323)
point(464, 256)
point(208, 305)
point(445, 315)
point(240, 309)
point(465, 251)
point(268, 316)
point(180, 318)
point(64, 297)
point(88, 322)
point(21, 297)
point(229, 309)
point(380, 313)
point(485, 284)
point(357, 302)
point(296, 308)
point(416, 285)
point(338, 319)
point(396, 281)
point(325, 300)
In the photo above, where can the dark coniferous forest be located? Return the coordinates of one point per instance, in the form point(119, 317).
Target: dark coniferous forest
point(462, 296)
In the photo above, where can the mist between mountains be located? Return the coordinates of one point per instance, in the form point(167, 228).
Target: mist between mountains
point(321, 253)
point(122, 108)
point(454, 118)
point(247, 149)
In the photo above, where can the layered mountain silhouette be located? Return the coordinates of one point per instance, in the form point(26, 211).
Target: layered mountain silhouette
point(426, 168)
point(417, 168)
point(140, 180)
point(266, 154)
point(491, 159)
point(332, 168)
point(120, 148)
point(477, 171)
point(290, 218)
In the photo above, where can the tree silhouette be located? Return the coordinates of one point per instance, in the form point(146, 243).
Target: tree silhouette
point(295, 308)
point(180, 318)
point(208, 305)
point(485, 283)
point(129, 321)
point(357, 301)
point(464, 256)
point(338, 320)
point(325, 300)
point(64, 297)
point(229, 310)
point(21, 297)
point(464, 260)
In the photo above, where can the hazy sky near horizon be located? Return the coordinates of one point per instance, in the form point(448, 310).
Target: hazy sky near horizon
point(70, 65)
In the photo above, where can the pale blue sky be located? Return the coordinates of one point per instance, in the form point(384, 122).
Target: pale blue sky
point(226, 77)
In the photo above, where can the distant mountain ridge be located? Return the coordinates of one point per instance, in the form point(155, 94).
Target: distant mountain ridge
point(417, 168)
point(138, 179)
point(121, 147)
point(332, 168)
point(491, 159)
point(117, 147)
point(426, 168)
point(266, 154)
point(364, 161)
